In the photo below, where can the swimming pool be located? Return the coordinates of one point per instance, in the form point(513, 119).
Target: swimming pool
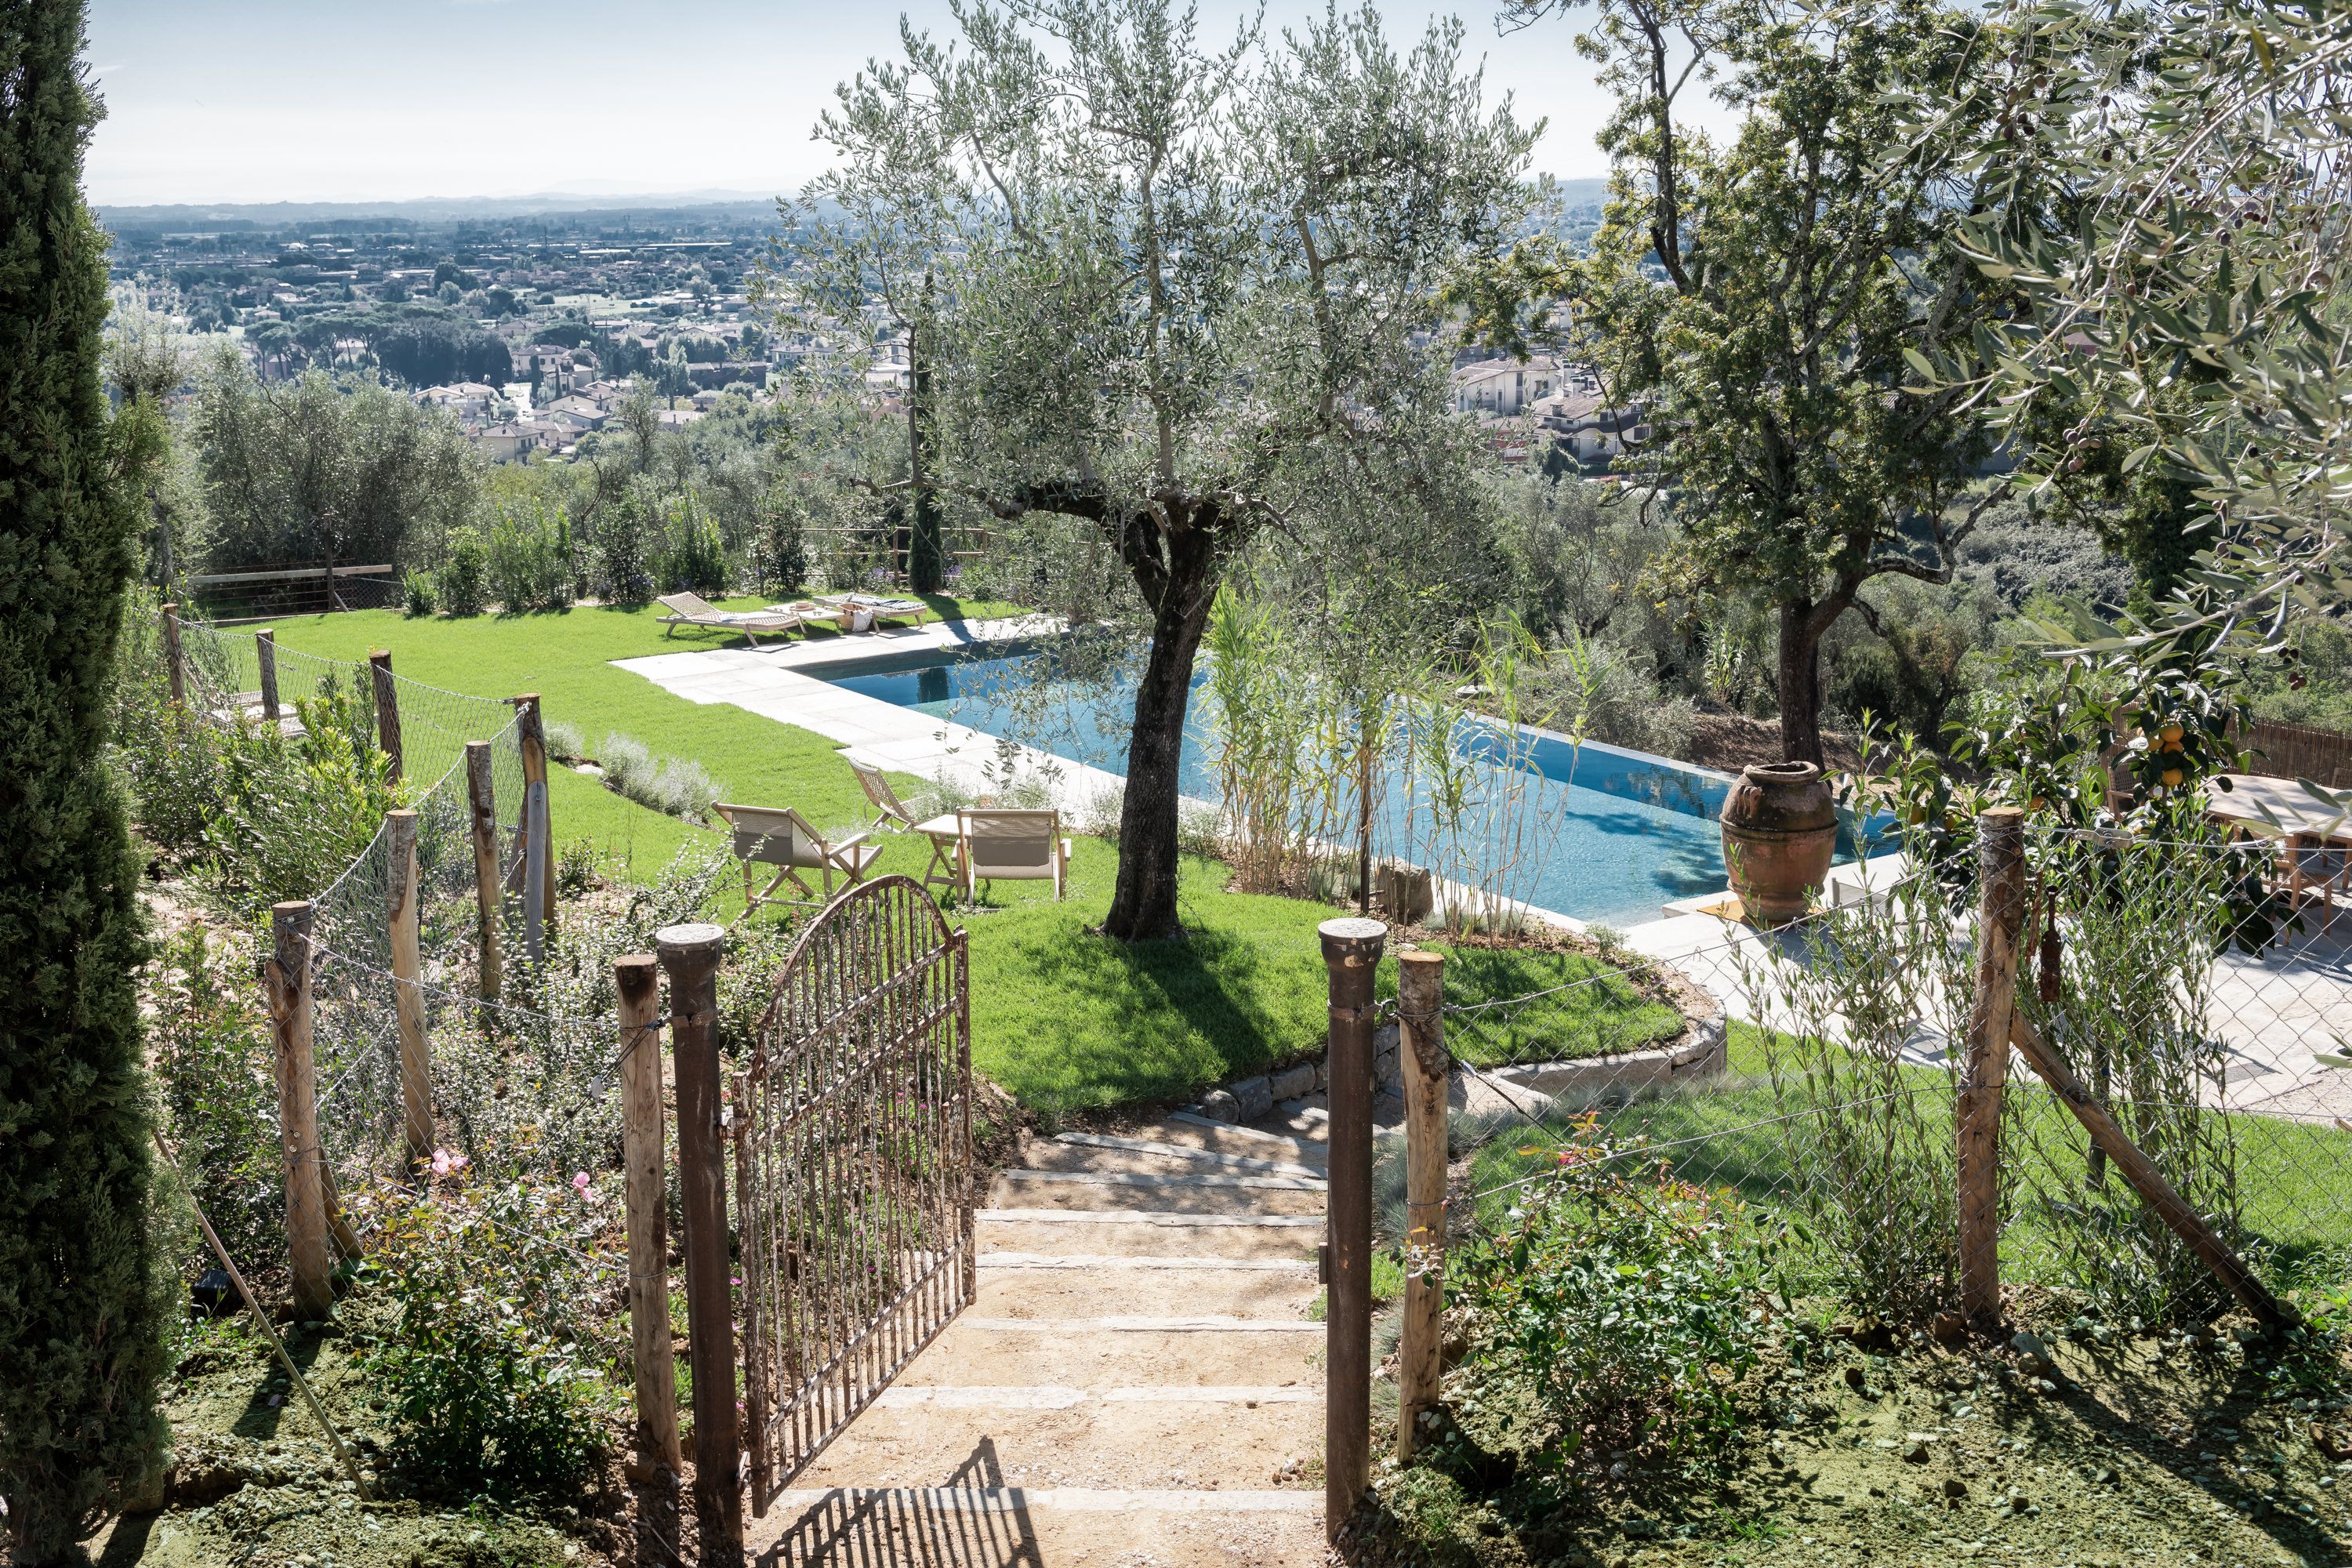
point(1605, 835)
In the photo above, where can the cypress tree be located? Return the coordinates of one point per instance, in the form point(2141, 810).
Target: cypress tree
point(81, 1308)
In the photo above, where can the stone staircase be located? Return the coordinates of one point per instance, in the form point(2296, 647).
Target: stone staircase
point(1138, 1367)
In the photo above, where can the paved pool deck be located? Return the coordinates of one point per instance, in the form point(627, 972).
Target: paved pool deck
point(788, 684)
point(2276, 1011)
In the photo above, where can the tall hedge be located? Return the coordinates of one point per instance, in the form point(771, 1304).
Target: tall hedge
point(81, 1344)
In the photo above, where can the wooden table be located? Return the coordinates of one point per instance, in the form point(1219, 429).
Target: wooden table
point(946, 834)
point(2316, 841)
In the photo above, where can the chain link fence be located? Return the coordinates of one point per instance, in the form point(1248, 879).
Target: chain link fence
point(1812, 1078)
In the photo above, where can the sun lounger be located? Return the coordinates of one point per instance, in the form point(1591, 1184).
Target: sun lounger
point(887, 806)
point(692, 610)
point(1008, 846)
point(782, 838)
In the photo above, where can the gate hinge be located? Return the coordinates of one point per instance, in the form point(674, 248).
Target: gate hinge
point(1323, 1263)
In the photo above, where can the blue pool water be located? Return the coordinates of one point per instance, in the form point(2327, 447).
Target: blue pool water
point(1601, 834)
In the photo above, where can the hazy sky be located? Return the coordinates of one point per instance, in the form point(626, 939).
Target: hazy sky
point(221, 101)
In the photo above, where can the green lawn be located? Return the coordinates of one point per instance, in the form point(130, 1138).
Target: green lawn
point(1061, 1018)
point(2291, 1192)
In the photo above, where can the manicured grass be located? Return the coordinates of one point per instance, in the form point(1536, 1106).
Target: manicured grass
point(1732, 1139)
point(565, 658)
point(1061, 1017)
point(1594, 1011)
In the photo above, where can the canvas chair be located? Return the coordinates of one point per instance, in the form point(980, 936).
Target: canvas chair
point(692, 610)
point(887, 807)
point(782, 838)
point(1006, 845)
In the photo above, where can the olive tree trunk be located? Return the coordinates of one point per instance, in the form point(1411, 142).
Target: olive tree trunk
point(1143, 903)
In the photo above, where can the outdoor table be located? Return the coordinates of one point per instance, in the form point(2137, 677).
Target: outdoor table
point(946, 834)
point(2309, 828)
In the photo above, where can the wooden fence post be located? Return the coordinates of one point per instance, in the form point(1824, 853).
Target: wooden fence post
point(174, 660)
point(639, 985)
point(387, 710)
point(265, 653)
point(288, 974)
point(1351, 953)
point(485, 825)
point(2001, 871)
point(408, 996)
point(690, 953)
point(2150, 1183)
point(538, 852)
point(1421, 1051)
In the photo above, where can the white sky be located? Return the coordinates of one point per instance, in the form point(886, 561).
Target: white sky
point(252, 100)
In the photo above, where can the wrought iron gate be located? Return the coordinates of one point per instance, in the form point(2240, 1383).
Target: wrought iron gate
point(853, 1162)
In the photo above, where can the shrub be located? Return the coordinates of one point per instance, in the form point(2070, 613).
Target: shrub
point(293, 812)
point(1624, 1302)
point(212, 1058)
point(487, 1371)
point(780, 549)
point(418, 593)
point(565, 740)
point(529, 559)
point(1870, 1135)
point(693, 556)
point(462, 579)
point(621, 571)
point(674, 785)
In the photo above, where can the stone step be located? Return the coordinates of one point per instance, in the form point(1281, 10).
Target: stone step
point(1117, 1527)
point(1289, 1195)
point(1096, 1151)
point(1185, 1127)
point(1085, 1353)
point(1092, 1442)
point(1067, 1293)
point(1158, 1232)
point(1084, 1262)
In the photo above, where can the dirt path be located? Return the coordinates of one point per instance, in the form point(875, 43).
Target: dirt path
point(1138, 1366)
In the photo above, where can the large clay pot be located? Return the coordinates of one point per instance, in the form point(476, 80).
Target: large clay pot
point(1779, 834)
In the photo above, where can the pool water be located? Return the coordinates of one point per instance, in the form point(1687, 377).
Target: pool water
point(1604, 834)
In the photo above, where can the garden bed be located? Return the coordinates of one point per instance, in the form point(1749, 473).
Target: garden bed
point(2146, 1447)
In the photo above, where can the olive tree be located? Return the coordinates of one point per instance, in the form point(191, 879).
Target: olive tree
point(1181, 297)
point(1763, 297)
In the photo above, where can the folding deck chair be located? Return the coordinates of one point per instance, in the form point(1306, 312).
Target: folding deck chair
point(782, 838)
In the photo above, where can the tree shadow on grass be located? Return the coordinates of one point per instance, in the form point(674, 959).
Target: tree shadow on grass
point(1113, 1021)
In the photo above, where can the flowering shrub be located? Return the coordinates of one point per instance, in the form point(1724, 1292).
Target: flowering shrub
point(1627, 1303)
point(489, 1372)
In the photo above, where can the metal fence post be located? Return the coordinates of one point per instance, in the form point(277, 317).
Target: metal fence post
point(1421, 1049)
point(175, 660)
point(2000, 866)
point(265, 653)
point(1351, 952)
point(288, 974)
point(408, 993)
point(690, 953)
point(387, 710)
point(485, 829)
point(639, 985)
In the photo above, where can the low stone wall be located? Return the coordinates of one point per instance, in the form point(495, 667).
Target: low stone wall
point(1702, 1052)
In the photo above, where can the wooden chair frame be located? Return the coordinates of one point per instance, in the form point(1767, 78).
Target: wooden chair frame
point(760, 829)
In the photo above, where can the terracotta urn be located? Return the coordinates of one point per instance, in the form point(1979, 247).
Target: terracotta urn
point(1779, 834)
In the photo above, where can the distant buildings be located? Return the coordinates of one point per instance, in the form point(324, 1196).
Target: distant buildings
point(1546, 409)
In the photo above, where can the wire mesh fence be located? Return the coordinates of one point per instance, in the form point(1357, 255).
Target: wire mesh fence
point(521, 1078)
point(2197, 984)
